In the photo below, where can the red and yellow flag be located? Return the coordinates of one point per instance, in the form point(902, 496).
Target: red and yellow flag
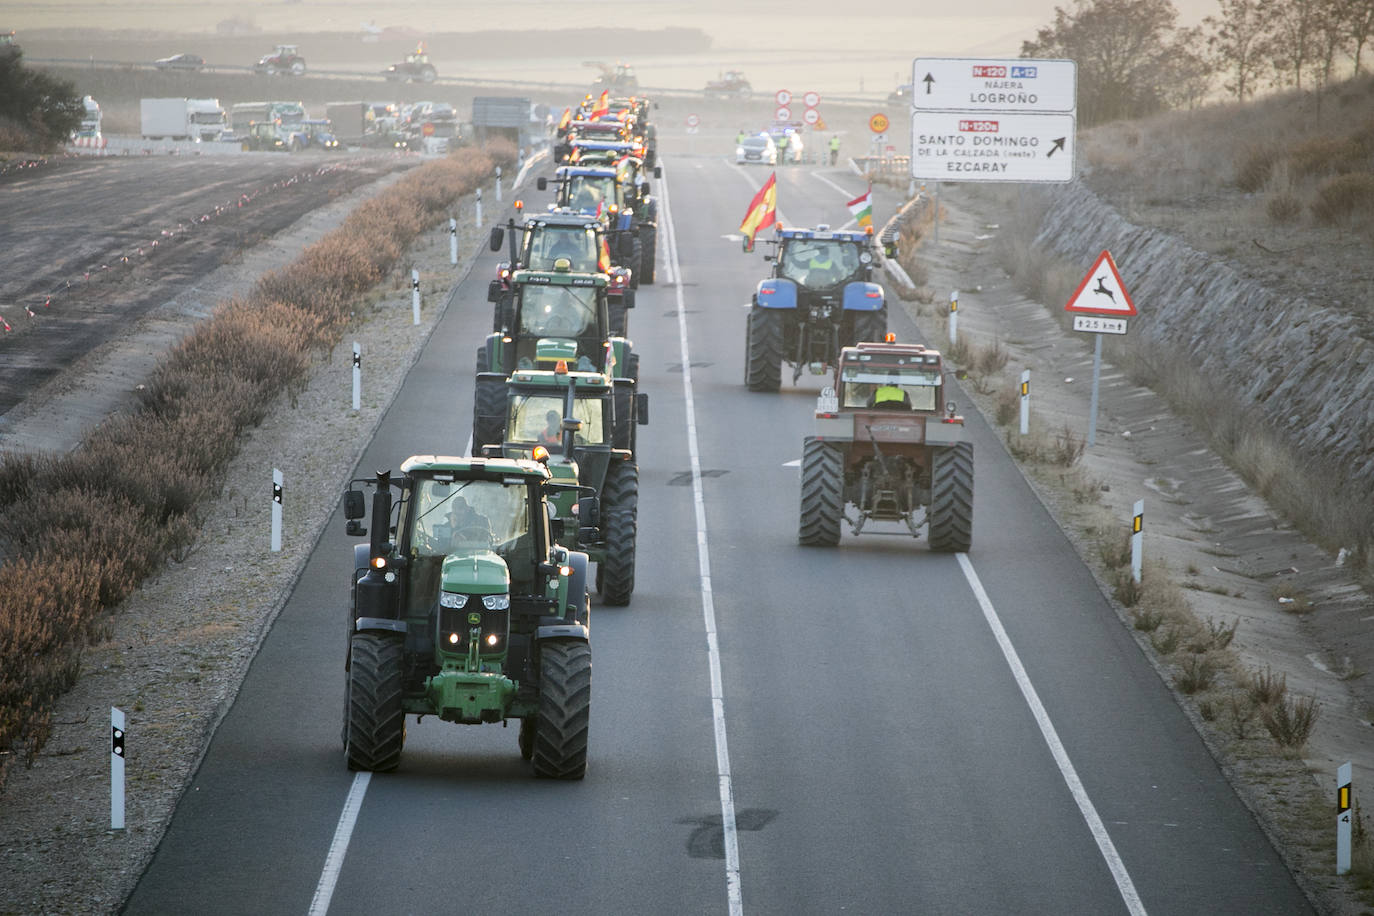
point(564, 121)
point(603, 104)
point(762, 211)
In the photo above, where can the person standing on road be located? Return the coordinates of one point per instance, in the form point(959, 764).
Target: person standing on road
point(782, 149)
point(834, 148)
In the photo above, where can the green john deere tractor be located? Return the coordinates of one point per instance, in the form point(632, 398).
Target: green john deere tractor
point(575, 417)
point(555, 316)
point(465, 608)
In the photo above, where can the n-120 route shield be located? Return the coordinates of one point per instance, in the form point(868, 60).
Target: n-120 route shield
point(992, 146)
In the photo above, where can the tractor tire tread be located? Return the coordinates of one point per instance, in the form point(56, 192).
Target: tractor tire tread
point(564, 717)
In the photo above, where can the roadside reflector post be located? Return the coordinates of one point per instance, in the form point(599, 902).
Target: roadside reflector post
point(498, 184)
point(478, 211)
point(954, 318)
point(1025, 402)
point(357, 376)
point(1343, 819)
point(1137, 533)
point(117, 768)
point(1092, 401)
point(415, 295)
point(276, 510)
point(452, 240)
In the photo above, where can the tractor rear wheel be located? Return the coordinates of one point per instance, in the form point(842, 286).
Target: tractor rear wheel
point(632, 256)
point(624, 434)
point(619, 524)
point(565, 705)
point(869, 326)
point(648, 258)
point(488, 413)
point(822, 494)
point(376, 721)
point(763, 366)
point(951, 499)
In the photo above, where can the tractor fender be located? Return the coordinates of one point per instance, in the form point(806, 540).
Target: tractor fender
point(624, 221)
point(578, 609)
point(778, 293)
point(863, 297)
point(651, 213)
point(570, 631)
point(497, 358)
point(379, 624)
point(362, 560)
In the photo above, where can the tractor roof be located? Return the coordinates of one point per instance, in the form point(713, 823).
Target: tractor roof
point(474, 467)
point(824, 232)
point(568, 171)
point(888, 353)
point(563, 216)
point(559, 278)
point(593, 382)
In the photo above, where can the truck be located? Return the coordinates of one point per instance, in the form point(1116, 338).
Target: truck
point(349, 119)
point(503, 116)
point(819, 298)
point(169, 119)
point(464, 606)
point(889, 444)
point(244, 114)
point(90, 118)
point(208, 119)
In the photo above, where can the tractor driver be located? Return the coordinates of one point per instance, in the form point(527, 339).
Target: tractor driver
point(466, 526)
point(588, 197)
point(890, 394)
point(552, 433)
point(821, 270)
point(565, 247)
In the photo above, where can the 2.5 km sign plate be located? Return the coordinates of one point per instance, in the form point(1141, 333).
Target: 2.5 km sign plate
point(964, 146)
point(1021, 85)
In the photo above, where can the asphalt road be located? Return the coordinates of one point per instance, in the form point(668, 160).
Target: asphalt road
point(870, 729)
point(91, 245)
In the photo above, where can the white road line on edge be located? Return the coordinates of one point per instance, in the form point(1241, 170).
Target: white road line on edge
point(708, 606)
point(338, 848)
point(1124, 885)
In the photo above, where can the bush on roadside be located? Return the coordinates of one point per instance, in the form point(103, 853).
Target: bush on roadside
point(1345, 199)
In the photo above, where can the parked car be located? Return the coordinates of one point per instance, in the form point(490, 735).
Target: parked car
point(900, 96)
point(192, 62)
point(757, 148)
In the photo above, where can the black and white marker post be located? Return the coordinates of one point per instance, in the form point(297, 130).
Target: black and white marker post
point(116, 768)
point(415, 295)
point(276, 510)
point(357, 376)
point(452, 240)
point(498, 184)
point(477, 212)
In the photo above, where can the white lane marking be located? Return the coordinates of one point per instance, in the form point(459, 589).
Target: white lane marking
point(794, 463)
point(708, 607)
point(333, 863)
point(820, 177)
point(1124, 885)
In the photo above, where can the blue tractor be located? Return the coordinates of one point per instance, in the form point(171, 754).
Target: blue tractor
point(819, 299)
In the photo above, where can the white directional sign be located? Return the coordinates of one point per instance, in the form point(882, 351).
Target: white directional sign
point(964, 146)
point(960, 84)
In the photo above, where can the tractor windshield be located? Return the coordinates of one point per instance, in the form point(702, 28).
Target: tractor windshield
point(557, 311)
point(820, 263)
point(589, 193)
point(902, 387)
point(576, 243)
point(470, 515)
point(537, 419)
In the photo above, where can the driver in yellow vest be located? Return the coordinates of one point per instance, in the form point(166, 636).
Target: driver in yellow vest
point(890, 393)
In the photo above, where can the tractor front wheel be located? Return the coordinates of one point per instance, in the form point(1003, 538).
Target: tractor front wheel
point(619, 523)
point(763, 366)
point(822, 494)
point(376, 721)
point(488, 413)
point(565, 705)
point(951, 499)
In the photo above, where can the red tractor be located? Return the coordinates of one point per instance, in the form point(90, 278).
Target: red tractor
point(284, 61)
point(888, 444)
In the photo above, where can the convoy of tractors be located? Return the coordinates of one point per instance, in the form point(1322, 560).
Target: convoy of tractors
point(471, 597)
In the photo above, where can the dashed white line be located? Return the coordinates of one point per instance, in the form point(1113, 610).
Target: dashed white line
point(338, 848)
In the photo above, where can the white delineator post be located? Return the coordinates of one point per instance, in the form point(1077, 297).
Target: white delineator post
point(498, 184)
point(116, 768)
point(415, 295)
point(276, 510)
point(357, 376)
point(954, 318)
point(1025, 402)
point(1137, 535)
point(1343, 819)
point(452, 240)
point(477, 212)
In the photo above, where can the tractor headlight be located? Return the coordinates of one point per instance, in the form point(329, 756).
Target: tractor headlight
point(496, 602)
point(452, 599)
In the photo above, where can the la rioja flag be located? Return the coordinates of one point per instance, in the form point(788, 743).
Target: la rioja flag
point(862, 208)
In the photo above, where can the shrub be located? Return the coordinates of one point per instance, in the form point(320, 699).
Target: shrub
point(1254, 170)
point(1345, 198)
point(1326, 156)
point(1284, 207)
point(1196, 672)
point(1264, 688)
point(1290, 722)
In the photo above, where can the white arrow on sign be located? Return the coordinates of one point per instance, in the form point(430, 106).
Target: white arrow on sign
point(783, 97)
point(782, 114)
point(812, 99)
point(1102, 292)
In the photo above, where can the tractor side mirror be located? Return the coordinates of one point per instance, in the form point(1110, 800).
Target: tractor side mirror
point(355, 504)
point(589, 512)
point(542, 184)
point(642, 407)
point(494, 291)
point(556, 528)
point(498, 235)
point(658, 171)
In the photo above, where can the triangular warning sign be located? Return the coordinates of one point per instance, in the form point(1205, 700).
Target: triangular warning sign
point(1102, 292)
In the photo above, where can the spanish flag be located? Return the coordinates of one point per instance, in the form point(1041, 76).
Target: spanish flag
point(862, 208)
point(603, 104)
point(762, 211)
point(564, 121)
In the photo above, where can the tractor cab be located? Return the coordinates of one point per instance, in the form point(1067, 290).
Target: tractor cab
point(559, 315)
point(889, 376)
